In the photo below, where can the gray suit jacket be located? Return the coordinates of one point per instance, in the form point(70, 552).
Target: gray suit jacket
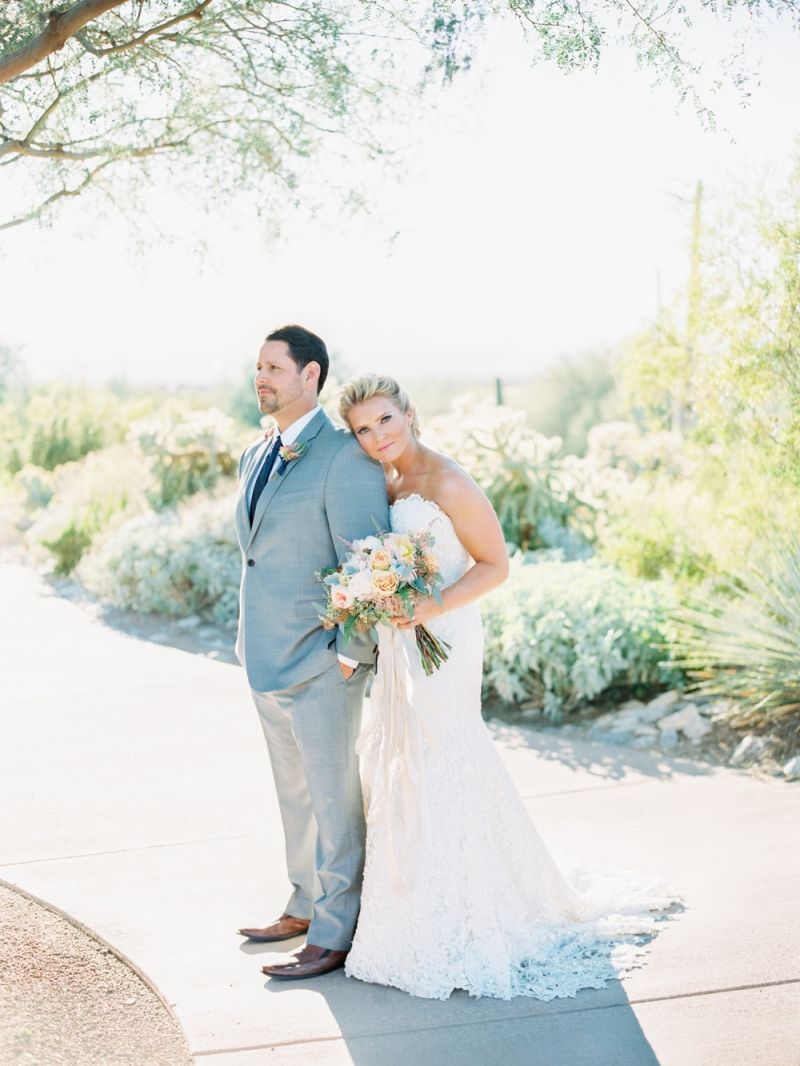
point(333, 493)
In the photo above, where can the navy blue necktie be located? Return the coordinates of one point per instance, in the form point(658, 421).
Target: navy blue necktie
point(263, 475)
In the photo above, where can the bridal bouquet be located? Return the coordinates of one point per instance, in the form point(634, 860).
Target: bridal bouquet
point(382, 577)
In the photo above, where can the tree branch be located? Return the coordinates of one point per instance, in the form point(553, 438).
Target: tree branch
point(61, 25)
point(90, 176)
point(195, 13)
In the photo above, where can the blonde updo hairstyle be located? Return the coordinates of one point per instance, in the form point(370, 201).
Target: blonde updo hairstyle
point(364, 387)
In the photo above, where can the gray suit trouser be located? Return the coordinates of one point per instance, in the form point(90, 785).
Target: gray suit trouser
point(311, 732)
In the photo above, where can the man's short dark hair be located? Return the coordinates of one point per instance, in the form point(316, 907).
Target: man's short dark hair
point(304, 347)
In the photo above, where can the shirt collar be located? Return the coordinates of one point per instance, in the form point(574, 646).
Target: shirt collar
point(292, 432)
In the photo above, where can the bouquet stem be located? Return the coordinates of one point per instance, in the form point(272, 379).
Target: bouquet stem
point(431, 649)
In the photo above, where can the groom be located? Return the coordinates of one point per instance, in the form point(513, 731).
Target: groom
point(303, 492)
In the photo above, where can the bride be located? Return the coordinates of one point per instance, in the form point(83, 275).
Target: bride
point(459, 890)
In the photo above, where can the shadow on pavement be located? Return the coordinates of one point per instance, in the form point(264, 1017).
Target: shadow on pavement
point(598, 758)
point(385, 1027)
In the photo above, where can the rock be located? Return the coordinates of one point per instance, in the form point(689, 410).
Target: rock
point(688, 720)
point(656, 708)
point(669, 740)
point(717, 708)
point(791, 769)
point(644, 730)
point(619, 736)
point(603, 721)
point(650, 714)
point(631, 705)
point(531, 712)
point(629, 718)
point(696, 725)
point(748, 750)
point(663, 702)
point(642, 742)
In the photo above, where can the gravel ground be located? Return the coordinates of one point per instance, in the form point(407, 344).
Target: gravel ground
point(67, 1000)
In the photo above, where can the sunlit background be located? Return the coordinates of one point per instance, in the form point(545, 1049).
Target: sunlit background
point(531, 215)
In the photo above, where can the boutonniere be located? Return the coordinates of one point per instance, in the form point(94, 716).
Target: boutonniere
point(289, 452)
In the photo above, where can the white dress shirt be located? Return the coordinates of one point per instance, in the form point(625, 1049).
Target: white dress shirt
point(288, 436)
point(292, 432)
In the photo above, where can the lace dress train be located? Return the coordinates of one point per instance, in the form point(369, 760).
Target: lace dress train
point(460, 891)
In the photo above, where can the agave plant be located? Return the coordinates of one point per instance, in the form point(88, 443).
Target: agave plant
point(747, 647)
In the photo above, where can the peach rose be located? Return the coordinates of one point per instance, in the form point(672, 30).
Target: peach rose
point(430, 563)
point(385, 582)
point(381, 559)
point(341, 598)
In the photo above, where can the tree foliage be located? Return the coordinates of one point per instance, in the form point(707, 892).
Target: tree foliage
point(727, 358)
point(721, 370)
point(94, 91)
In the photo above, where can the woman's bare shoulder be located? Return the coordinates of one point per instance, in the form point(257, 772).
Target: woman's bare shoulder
point(451, 485)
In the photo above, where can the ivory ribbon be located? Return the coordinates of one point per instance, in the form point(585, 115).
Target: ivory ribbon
point(390, 744)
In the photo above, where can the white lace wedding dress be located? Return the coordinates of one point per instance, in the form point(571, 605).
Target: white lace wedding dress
point(460, 891)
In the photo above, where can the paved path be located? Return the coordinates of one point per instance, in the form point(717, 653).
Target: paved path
point(136, 797)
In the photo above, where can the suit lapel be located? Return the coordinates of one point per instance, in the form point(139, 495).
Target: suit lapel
point(276, 480)
point(242, 508)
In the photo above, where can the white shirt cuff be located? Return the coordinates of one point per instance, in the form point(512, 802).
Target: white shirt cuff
point(348, 662)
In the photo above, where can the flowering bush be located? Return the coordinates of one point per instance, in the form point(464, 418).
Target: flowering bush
point(654, 527)
point(57, 423)
point(565, 632)
point(623, 446)
point(36, 485)
point(177, 562)
point(535, 493)
point(187, 452)
point(85, 497)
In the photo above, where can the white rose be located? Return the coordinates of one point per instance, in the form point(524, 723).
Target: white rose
point(366, 544)
point(360, 585)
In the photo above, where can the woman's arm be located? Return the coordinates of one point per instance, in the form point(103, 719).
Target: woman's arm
point(478, 529)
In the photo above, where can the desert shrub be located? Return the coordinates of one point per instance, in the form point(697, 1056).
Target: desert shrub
point(566, 632)
point(179, 562)
point(57, 424)
point(746, 646)
point(656, 527)
point(87, 497)
point(71, 542)
point(187, 452)
point(36, 485)
point(671, 507)
point(656, 512)
point(624, 446)
point(534, 492)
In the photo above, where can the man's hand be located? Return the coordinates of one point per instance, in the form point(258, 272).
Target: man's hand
point(347, 671)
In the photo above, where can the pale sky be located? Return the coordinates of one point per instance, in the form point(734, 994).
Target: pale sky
point(534, 215)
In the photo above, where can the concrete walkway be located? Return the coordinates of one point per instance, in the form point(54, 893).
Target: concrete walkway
point(136, 797)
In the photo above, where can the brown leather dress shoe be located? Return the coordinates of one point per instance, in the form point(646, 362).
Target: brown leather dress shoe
point(284, 928)
point(311, 962)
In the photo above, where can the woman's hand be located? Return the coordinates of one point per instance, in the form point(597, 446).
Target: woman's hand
point(424, 609)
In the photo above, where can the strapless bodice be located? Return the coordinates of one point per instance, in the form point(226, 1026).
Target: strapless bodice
point(410, 514)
